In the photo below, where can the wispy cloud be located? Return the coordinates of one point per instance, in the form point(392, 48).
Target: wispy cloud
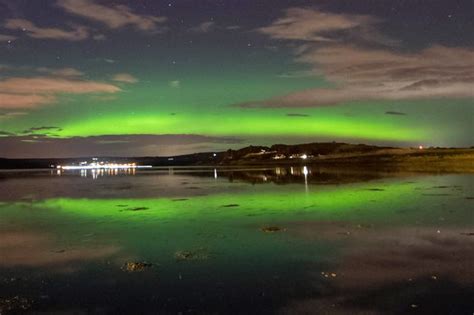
point(209, 26)
point(33, 92)
point(312, 25)
point(76, 33)
point(62, 72)
point(113, 16)
point(25, 101)
point(368, 74)
point(6, 38)
point(204, 27)
point(124, 78)
point(49, 85)
point(17, 71)
point(361, 72)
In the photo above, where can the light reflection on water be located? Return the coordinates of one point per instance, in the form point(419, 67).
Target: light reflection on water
point(94, 173)
point(346, 242)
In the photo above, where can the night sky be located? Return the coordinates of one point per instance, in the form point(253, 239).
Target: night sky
point(152, 77)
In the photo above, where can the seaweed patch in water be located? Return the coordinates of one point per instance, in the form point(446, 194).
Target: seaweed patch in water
point(187, 255)
point(272, 229)
point(136, 266)
point(138, 209)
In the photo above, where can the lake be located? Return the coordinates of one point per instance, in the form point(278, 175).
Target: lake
point(289, 240)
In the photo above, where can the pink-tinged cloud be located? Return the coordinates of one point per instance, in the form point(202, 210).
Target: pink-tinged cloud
point(359, 72)
point(124, 78)
point(313, 25)
point(47, 85)
point(62, 72)
point(76, 33)
point(39, 91)
point(6, 38)
point(113, 16)
point(14, 101)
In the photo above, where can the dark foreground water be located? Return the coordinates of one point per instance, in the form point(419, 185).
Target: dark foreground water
point(278, 240)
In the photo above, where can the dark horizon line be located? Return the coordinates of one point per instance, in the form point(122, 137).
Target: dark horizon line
point(221, 152)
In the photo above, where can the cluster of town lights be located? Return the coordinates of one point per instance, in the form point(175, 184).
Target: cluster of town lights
point(95, 166)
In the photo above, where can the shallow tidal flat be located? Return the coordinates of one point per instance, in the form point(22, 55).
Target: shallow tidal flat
point(269, 240)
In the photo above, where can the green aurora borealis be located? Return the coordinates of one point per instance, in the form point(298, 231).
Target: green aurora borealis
point(193, 81)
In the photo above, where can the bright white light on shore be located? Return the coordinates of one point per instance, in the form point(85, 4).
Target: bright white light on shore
point(305, 171)
point(420, 147)
point(304, 156)
point(108, 166)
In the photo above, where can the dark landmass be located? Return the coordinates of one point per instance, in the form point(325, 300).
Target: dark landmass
point(326, 154)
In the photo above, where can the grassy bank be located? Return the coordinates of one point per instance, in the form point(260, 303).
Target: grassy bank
point(398, 159)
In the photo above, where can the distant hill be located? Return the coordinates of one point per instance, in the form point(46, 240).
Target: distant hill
point(328, 153)
point(287, 151)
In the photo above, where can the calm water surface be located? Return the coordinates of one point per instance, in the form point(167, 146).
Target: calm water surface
point(277, 240)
